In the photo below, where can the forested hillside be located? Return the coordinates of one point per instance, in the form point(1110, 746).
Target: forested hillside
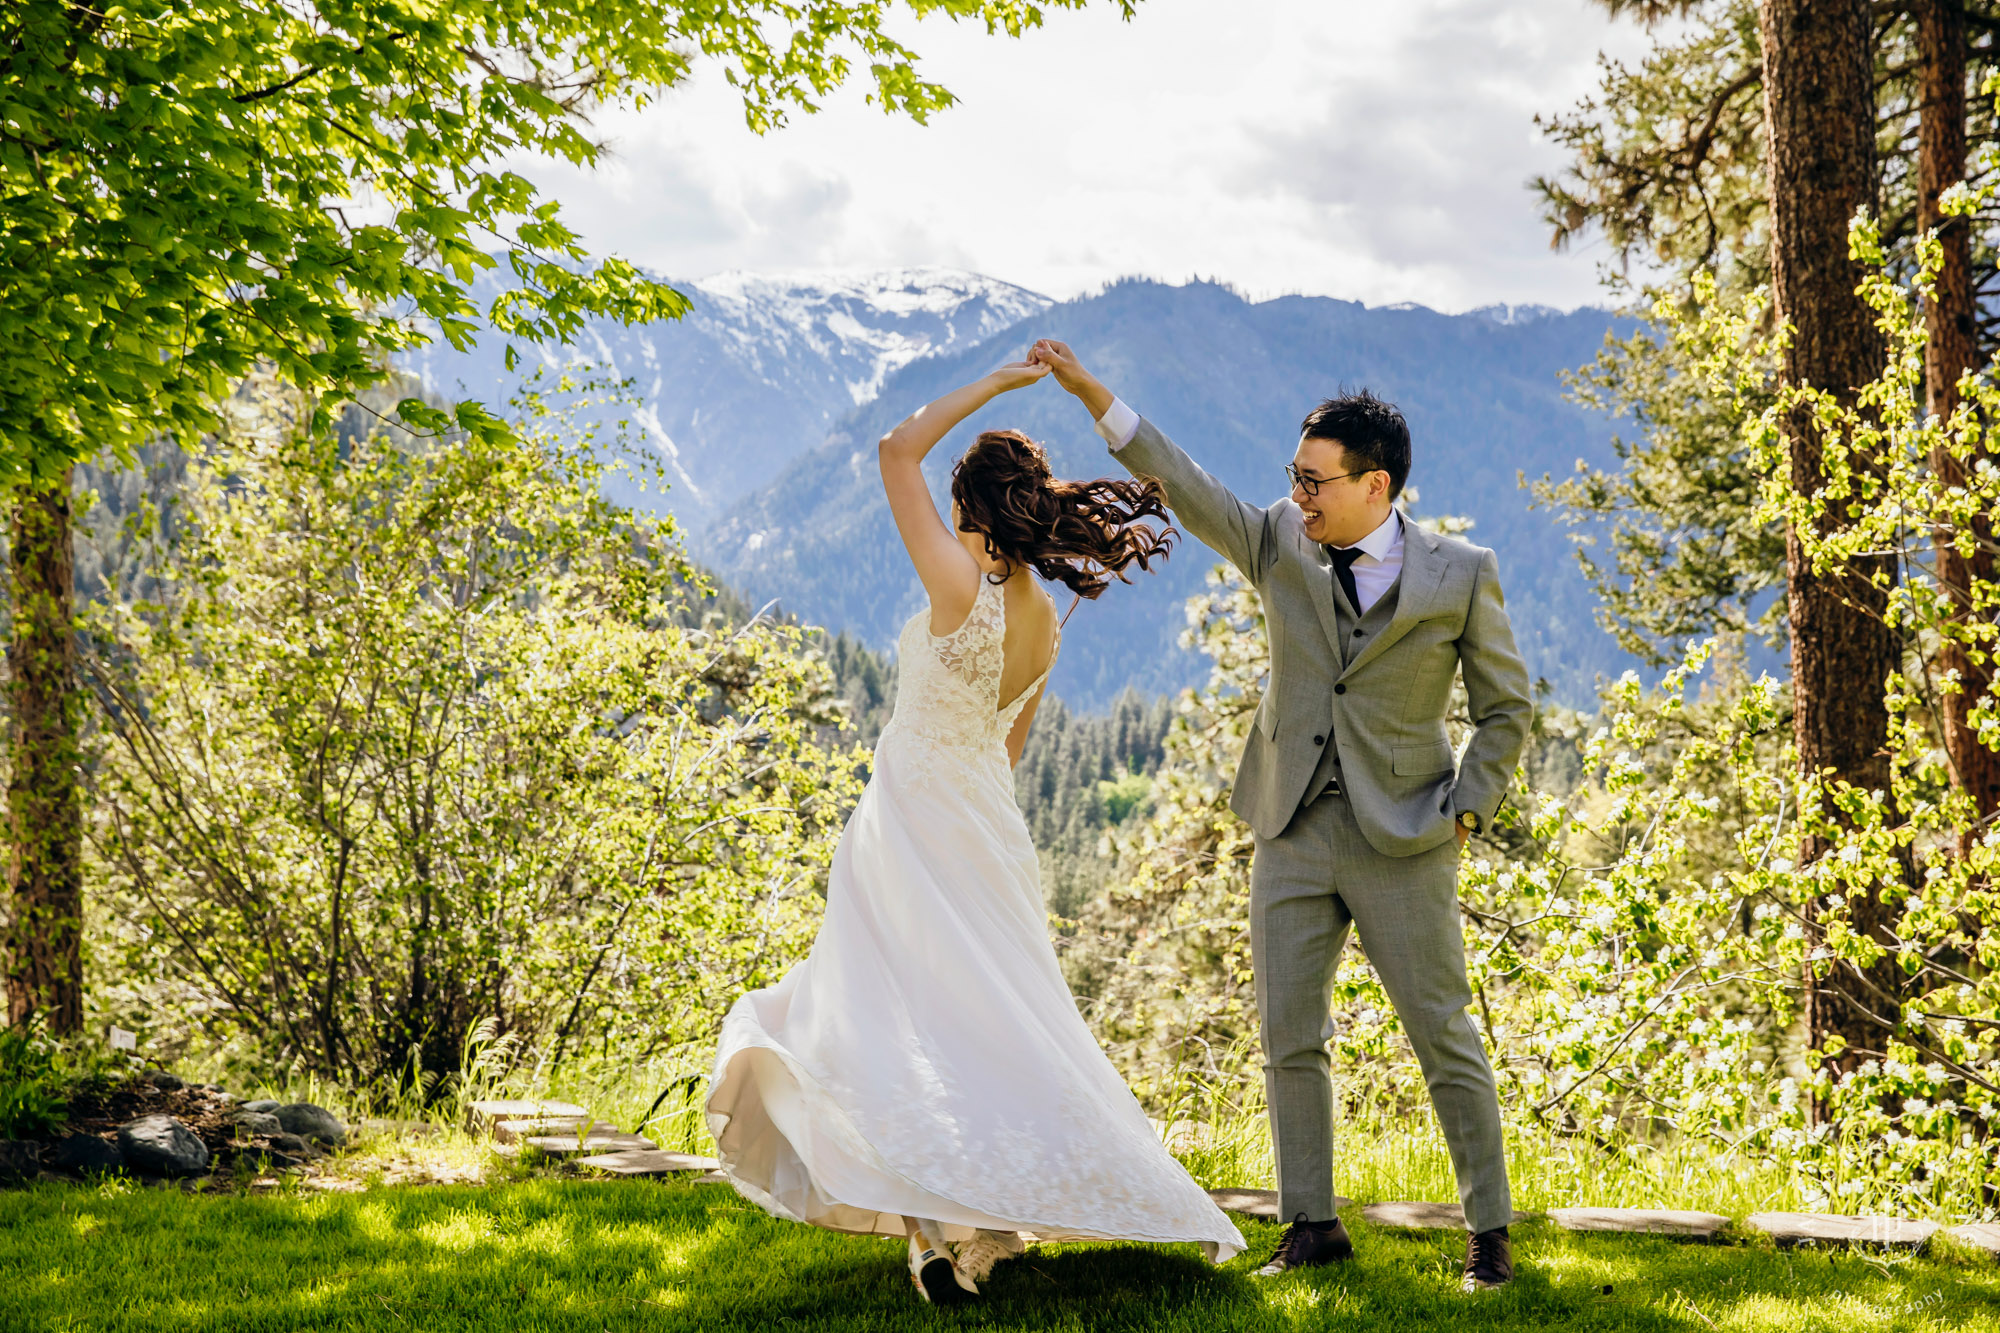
point(1229, 379)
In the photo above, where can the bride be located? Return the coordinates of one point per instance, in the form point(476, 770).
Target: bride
point(924, 1073)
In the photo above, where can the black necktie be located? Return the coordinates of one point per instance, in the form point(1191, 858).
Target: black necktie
point(1343, 569)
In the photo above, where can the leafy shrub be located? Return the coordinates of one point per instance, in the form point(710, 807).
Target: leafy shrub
point(417, 736)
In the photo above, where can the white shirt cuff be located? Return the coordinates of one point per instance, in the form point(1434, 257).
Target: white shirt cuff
point(1118, 424)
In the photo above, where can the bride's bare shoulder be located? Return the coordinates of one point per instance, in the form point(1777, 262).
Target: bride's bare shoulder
point(1027, 604)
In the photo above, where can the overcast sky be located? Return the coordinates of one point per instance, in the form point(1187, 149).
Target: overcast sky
point(1377, 150)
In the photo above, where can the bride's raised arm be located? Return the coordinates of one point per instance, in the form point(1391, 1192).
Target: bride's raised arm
point(949, 573)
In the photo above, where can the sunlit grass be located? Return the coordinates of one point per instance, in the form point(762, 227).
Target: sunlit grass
point(576, 1255)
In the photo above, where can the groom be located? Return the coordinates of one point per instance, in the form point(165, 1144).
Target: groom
point(1348, 785)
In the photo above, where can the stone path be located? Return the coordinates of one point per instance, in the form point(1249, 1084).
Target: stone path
point(1645, 1221)
point(1980, 1236)
point(1257, 1203)
point(1786, 1230)
point(1422, 1216)
point(563, 1129)
point(651, 1162)
point(1791, 1229)
point(560, 1129)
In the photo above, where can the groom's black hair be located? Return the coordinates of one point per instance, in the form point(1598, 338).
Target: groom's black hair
point(1372, 432)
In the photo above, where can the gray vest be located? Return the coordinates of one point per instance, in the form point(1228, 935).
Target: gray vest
point(1353, 637)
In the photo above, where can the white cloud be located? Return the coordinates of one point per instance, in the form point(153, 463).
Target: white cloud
point(1345, 147)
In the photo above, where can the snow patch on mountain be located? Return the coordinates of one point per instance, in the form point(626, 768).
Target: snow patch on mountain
point(1515, 314)
point(871, 323)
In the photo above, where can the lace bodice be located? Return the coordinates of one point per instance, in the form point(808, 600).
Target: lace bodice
point(948, 685)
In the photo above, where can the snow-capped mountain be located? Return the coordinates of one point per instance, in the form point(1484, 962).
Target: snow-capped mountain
point(761, 367)
point(1229, 378)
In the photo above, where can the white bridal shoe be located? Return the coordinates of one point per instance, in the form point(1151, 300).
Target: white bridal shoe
point(937, 1279)
point(977, 1256)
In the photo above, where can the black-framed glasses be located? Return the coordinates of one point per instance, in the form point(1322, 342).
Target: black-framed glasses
point(1311, 485)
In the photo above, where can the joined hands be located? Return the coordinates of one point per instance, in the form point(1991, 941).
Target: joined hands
point(1049, 357)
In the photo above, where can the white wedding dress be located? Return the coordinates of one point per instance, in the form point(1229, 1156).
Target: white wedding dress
point(927, 1060)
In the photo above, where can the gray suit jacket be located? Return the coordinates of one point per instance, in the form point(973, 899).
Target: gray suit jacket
point(1383, 705)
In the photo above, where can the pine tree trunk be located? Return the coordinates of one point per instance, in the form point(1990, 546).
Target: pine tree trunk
point(1953, 349)
point(45, 795)
point(1819, 112)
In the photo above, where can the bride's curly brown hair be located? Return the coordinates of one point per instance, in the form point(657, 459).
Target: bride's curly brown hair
point(1070, 532)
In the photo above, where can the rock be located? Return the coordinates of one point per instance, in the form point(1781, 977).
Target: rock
point(1979, 1235)
point(484, 1115)
point(20, 1159)
point(311, 1122)
point(1258, 1203)
point(1789, 1229)
point(717, 1178)
point(164, 1081)
point(258, 1122)
point(291, 1143)
point(1648, 1221)
point(266, 1106)
point(1423, 1216)
point(86, 1153)
point(648, 1162)
point(163, 1146)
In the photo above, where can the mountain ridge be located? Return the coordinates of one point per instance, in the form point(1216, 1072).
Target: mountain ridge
point(1229, 378)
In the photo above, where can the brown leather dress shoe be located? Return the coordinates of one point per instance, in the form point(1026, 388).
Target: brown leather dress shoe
point(1489, 1260)
point(1309, 1245)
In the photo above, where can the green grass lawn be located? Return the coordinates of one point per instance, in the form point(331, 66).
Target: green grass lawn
point(582, 1255)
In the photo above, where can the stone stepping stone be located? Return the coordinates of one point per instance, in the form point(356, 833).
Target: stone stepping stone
point(1257, 1203)
point(1790, 1229)
point(712, 1178)
point(1643, 1221)
point(648, 1162)
point(602, 1138)
point(513, 1131)
point(1979, 1235)
point(484, 1114)
point(1423, 1216)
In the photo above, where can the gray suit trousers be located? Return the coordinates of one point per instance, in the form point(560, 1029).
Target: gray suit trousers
point(1308, 886)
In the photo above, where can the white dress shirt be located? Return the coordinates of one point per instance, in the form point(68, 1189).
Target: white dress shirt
point(1380, 561)
point(1118, 424)
point(1381, 558)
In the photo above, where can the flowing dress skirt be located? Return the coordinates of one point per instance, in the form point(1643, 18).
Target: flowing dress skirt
point(927, 1058)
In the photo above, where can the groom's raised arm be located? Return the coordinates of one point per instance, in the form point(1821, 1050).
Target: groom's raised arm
point(1241, 533)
